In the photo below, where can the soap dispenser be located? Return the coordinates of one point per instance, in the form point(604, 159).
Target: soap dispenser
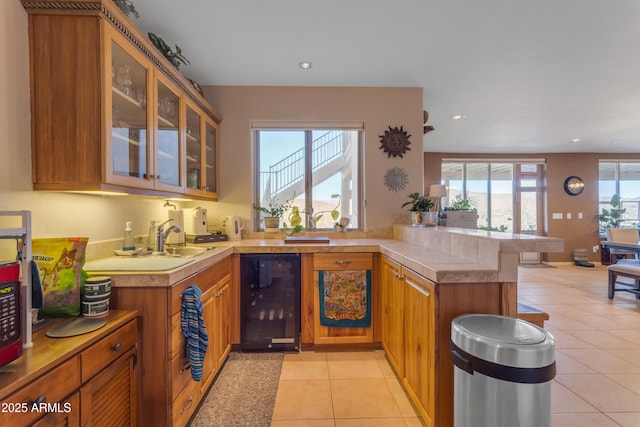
point(128, 245)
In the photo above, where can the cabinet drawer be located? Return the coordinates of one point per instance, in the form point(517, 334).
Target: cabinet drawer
point(205, 280)
point(182, 408)
point(180, 374)
point(69, 416)
point(175, 294)
point(51, 387)
point(178, 341)
point(343, 261)
point(107, 350)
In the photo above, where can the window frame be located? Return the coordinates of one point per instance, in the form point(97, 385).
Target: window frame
point(308, 128)
point(626, 220)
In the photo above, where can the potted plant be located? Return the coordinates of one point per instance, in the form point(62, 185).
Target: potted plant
point(272, 213)
point(461, 204)
point(610, 218)
point(421, 210)
point(314, 217)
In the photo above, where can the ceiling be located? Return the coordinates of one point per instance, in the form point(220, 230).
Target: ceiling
point(529, 76)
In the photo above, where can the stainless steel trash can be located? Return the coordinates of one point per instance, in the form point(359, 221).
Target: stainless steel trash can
point(503, 369)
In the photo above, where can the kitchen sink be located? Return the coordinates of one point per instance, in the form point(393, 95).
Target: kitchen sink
point(185, 251)
point(174, 257)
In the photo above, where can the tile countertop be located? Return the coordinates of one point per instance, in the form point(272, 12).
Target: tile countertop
point(441, 254)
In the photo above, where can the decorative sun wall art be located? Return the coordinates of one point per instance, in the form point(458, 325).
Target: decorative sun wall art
point(395, 142)
point(396, 179)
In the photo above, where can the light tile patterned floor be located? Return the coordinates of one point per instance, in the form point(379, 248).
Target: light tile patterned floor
point(597, 353)
point(340, 389)
point(597, 345)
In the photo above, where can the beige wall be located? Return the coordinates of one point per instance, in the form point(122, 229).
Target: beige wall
point(377, 108)
point(577, 234)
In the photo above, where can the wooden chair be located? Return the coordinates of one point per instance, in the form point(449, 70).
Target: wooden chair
point(623, 235)
point(625, 270)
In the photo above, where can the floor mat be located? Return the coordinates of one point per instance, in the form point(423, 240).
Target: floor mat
point(244, 392)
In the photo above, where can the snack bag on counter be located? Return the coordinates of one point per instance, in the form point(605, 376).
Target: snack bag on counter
point(60, 263)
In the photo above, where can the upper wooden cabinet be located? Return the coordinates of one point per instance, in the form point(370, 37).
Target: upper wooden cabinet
point(109, 112)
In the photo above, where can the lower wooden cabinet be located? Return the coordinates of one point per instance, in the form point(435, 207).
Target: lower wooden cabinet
point(350, 264)
point(419, 344)
point(217, 318)
point(392, 296)
point(409, 333)
point(84, 380)
point(168, 394)
point(107, 398)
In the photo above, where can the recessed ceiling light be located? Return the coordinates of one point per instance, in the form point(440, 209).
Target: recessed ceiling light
point(576, 140)
point(458, 117)
point(305, 65)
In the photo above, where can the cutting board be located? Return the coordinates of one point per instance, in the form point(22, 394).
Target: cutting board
point(306, 239)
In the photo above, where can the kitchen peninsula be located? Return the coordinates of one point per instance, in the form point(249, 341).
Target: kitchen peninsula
point(422, 279)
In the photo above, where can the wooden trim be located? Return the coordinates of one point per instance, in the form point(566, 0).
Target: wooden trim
point(307, 292)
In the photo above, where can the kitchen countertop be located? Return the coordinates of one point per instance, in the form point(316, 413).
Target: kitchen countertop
point(441, 254)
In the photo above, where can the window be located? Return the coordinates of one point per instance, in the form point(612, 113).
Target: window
point(318, 168)
point(507, 195)
point(622, 178)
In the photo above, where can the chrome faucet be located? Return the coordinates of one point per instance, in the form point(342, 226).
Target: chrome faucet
point(162, 234)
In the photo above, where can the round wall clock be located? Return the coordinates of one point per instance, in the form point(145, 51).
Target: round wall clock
point(395, 142)
point(573, 185)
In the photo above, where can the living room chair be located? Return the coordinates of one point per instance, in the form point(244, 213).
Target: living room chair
point(623, 235)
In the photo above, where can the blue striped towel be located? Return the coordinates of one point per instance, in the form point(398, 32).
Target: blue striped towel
point(194, 329)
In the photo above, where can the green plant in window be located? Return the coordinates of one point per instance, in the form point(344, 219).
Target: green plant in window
point(314, 217)
point(274, 208)
point(502, 228)
point(610, 218)
point(461, 204)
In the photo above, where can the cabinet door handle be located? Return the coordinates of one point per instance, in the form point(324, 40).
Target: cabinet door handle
point(116, 347)
point(185, 367)
point(343, 262)
point(186, 408)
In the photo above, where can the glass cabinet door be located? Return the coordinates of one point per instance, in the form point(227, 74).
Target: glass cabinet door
point(168, 136)
point(211, 143)
point(129, 117)
point(194, 149)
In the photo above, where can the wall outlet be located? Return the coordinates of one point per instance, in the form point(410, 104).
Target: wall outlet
point(595, 248)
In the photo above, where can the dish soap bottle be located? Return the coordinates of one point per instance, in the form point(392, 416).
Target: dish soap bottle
point(128, 245)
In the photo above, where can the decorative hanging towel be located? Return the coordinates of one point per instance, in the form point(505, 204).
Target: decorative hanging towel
point(194, 329)
point(345, 298)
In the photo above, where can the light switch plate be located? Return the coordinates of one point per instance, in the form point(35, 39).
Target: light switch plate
point(568, 215)
point(556, 215)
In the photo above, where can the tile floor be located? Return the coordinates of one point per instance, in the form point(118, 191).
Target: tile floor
point(597, 345)
point(597, 353)
point(340, 389)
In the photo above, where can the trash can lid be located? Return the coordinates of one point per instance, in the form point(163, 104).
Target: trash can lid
point(503, 340)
